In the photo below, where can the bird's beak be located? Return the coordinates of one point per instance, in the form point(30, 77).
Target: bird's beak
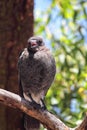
point(33, 44)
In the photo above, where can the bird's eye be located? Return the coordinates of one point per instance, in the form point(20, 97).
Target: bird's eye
point(39, 42)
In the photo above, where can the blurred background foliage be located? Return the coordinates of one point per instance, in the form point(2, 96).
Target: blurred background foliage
point(63, 24)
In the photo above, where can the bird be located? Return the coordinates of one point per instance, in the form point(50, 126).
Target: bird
point(36, 72)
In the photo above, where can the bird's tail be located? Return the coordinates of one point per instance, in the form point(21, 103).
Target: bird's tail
point(31, 123)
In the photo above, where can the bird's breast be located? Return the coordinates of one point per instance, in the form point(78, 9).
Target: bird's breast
point(37, 70)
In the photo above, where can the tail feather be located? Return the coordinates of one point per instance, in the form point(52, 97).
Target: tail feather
point(31, 123)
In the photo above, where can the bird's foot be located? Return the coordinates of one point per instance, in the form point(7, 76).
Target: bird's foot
point(36, 105)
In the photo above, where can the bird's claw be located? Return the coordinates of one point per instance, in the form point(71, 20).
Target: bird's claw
point(35, 105)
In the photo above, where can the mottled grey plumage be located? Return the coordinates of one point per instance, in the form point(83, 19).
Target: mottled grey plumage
point(36, 69)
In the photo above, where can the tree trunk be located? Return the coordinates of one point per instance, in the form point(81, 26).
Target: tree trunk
point(16, 26)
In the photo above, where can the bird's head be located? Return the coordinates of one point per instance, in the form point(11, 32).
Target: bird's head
point(34, 43)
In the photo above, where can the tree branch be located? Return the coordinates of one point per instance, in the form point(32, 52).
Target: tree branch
point(50, 121)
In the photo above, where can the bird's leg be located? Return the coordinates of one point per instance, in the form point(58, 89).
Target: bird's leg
point(44, 106)
point(35, 104)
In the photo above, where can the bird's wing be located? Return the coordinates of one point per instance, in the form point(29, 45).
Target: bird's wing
point(20, 86)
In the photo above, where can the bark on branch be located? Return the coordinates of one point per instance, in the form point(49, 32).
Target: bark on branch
point(50, 121)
